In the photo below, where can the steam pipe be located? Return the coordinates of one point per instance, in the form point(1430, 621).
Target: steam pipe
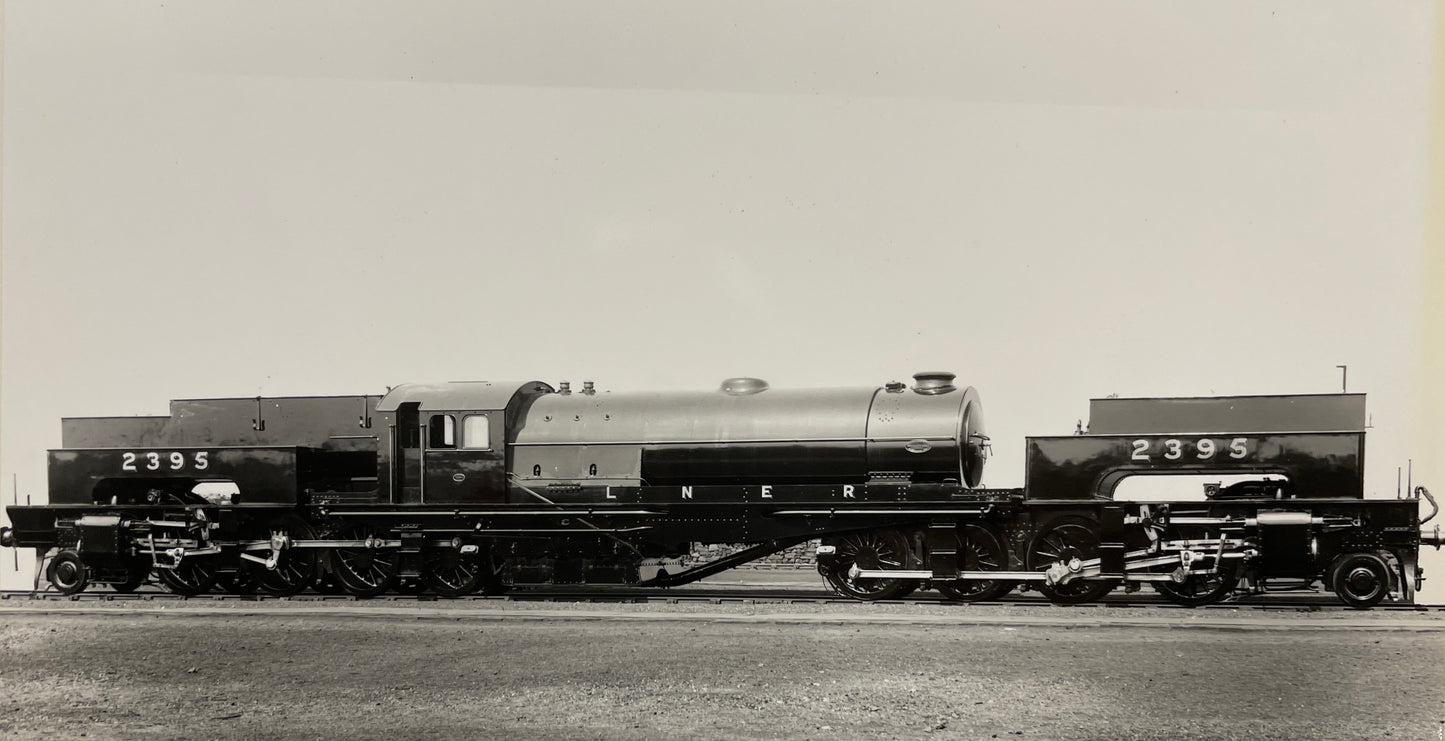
point(1430, 536)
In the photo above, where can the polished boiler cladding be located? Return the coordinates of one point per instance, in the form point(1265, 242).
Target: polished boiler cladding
point(747, 433)
point(480, 486)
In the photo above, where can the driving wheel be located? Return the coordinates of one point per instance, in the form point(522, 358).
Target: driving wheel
point(296, 568)
point(865, 551)
point(979, 549)
point(364, 571)
point(1199, 589)
point(1061, 541)
point(192, 576)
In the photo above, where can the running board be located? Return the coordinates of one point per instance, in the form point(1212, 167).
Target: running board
point(833, 511)
point(576, 512)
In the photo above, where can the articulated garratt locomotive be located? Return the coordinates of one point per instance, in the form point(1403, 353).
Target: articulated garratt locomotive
point(482, 486)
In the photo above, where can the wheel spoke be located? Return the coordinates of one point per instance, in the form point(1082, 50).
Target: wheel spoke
point(1065, 538)
point(859, 551)
point(363, 572)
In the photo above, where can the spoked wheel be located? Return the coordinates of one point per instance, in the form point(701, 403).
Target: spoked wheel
point(1062, 540)
point(1361, 580)
point(1199, 589)
point(449, 573)
point(866, 551)
point(67, 573)
point(191, 577)
point(364, 571)
point(296, 568)
point(979, 549)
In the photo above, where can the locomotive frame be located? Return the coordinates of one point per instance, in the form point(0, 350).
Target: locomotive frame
point(484, 486)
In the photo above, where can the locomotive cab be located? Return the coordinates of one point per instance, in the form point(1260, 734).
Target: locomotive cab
point(449, 441)
point(458, 461)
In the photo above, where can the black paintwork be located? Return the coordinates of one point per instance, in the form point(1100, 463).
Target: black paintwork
point(338, 474)
point(1318, 465)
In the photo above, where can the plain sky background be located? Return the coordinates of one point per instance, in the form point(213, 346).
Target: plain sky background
point(1055, 201)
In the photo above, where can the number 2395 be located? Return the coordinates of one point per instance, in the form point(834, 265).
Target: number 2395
point(1202, 449)
point(174, 461)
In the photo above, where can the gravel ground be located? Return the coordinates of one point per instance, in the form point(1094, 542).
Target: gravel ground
point(450, 670)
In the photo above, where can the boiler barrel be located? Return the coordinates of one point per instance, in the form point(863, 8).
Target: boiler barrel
point(747, 433)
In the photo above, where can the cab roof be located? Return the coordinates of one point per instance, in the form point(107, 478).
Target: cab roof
point(459, 395)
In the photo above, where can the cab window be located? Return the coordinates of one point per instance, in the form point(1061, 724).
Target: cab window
point(476, 432)
point(442, 431)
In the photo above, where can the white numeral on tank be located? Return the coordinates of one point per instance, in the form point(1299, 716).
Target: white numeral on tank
point(1204, 449)
point(175, 460)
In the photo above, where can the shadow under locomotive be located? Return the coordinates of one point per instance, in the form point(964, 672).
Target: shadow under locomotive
point(477, 487)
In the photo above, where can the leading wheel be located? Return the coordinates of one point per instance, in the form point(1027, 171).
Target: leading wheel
point(296, 568)
point(867, 551)
point(1060, 541)
point(1361, 580)
point(364, 571)
point(979, 549)
point(67, 573)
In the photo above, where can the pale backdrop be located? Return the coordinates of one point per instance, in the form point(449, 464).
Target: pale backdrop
point(1055, 201)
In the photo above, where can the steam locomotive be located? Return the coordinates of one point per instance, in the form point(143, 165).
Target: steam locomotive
point(481, 486)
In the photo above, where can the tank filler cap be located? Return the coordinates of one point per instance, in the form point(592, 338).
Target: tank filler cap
point(743, 386)
point(931, 383)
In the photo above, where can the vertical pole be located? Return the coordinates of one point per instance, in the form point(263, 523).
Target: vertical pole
point(1410, 475)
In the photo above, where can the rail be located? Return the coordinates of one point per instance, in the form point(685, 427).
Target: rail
point(1300, 603)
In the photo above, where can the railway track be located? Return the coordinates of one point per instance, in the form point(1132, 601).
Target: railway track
point(1297, 603)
